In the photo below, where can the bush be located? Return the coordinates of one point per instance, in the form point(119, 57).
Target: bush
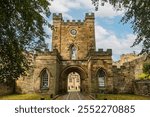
point(146, 68)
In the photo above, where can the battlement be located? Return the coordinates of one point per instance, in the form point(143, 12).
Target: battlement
point(100, 52)
point(108, 51)
point(78, 22)
point(118, 68)
point(60, 17)
point(89, 16)
point(57, 16)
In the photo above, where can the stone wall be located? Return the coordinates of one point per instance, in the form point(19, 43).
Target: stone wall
point(49, 61)
point(6, 89)
point(142, 87)
point(101, 60)
point(123, 76)
point(122, 79)
point(32, 82)
point(25, 84)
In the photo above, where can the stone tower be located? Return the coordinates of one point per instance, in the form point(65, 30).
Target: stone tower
point(74, 56)
point(73, 52)
point(76, 35)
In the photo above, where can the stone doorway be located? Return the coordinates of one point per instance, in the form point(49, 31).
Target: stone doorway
point(73, 71)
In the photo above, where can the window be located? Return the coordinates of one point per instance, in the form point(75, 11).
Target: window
point(70, 79)
point(77, 79)
point(101, 78)
point(44, 79)
point(73, 53)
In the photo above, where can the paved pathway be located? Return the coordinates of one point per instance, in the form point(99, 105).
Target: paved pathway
point(74, 96)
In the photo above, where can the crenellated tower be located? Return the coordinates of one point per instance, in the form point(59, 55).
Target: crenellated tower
point(73, 39)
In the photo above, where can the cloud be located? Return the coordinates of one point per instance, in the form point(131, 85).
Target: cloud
point(104, 38)
point(108, 11)
point(107, 39)
point(64, 6)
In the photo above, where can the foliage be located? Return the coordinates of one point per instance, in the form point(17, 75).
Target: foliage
point(21, 29)
point(137, 12)
point(146, 68)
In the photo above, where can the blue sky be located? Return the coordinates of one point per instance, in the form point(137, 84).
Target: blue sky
point(109, 31)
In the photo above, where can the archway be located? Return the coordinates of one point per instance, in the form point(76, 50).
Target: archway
point(80, 72)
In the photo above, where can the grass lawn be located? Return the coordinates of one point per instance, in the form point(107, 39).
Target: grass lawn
point(121, 97)
point(24, 97)
point(99, 97)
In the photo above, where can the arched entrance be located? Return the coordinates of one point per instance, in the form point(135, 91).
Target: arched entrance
point(72, 72)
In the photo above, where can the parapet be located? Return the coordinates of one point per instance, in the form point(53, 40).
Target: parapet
point(100, 52)
point(57, 16)
point(60, 18)
point(118, 68)
point(108, 51)
point(89, 16)
point(76, 22)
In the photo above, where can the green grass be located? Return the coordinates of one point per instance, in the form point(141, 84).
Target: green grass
point(144, 76)
point(121, 97)
point(99, 97)
point(24, 97)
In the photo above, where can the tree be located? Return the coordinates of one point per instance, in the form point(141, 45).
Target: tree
point(21, 29)
point(146, 68)
point(137, 12)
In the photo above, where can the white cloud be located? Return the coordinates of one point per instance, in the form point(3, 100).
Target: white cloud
point(107, 39)
point(108, 11)
point(104, 38)
point(64, 6)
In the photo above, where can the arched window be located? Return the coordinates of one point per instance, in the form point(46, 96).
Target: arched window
point(101, 78)
point(73, 52)
point(44, 79)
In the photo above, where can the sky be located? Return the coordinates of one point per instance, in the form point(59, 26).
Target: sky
point(110, 33)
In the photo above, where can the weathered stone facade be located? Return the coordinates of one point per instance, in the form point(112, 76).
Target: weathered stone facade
point(86, 61)
point(142, 87)
point(74, 50)
point(127, 72)
point(6, 89)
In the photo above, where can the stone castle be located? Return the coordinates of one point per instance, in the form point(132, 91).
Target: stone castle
point(74, 53)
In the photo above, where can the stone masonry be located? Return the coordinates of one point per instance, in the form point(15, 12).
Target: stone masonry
point(86, 61)
point(74, 51)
